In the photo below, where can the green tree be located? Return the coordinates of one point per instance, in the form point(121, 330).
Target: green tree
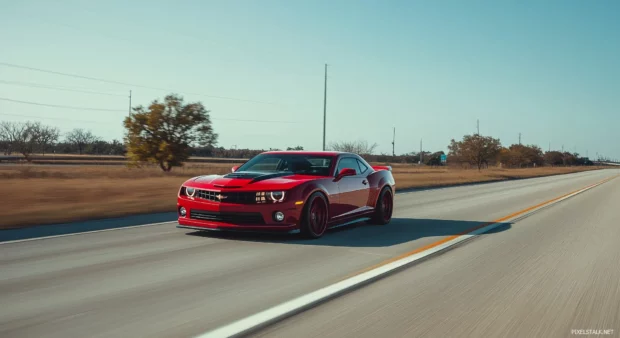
point(475, 149)
point(164, 132)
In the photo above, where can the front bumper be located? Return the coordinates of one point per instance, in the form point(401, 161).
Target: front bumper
point(289, 229)
point(207, 215)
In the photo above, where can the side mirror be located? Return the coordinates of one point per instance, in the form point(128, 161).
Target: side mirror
point(346, 172)
point(235, 168)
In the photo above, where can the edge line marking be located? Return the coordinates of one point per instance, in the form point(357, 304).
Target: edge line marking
point(83, 233)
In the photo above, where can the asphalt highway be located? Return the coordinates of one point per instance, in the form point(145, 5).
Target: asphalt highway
point(553, 271)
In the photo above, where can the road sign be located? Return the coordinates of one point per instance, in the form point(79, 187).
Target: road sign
point(444, 158)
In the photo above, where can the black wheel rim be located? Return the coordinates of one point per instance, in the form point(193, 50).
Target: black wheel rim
point(387, 205)
point(318, 217)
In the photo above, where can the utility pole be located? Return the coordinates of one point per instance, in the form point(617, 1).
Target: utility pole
point(478, 127)
point(549, 146)
point(563, 156)
point(324, 107)
point(130, 103)
point(421, 152)
point(393, 141)
point(519, 138)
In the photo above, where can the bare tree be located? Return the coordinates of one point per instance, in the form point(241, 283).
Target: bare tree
point(48, 136)
point(356, 147)
point(5, 143)
point(81, 138)
point(21, 137)
point(11, 134)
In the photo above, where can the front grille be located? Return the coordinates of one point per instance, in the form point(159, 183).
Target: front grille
point(227, 197)
point(245, 218)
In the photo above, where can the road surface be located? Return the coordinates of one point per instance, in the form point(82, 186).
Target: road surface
point(160, 281)
point(555, 271)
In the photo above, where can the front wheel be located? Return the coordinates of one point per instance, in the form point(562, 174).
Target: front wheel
point(384, 207)
point(315, 216)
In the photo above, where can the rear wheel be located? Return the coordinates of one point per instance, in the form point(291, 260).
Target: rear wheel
point(314, 217)
point(384, 207)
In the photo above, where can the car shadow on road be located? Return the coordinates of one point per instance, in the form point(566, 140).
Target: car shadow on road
point(399, 231)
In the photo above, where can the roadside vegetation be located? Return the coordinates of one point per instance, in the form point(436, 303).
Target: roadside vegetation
point(49, 177)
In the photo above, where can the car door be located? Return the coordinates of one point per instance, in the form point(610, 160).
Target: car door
point(354, 191)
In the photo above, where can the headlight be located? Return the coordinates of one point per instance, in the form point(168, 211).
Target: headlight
point(277, 196)
point(190, 191)
point(270, 196)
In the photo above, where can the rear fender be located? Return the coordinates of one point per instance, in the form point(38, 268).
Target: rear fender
point(377, 181)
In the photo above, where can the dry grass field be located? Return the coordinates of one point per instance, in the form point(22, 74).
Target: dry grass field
point(39, 194)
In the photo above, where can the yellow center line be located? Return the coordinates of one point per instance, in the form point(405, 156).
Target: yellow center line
point(449, 238)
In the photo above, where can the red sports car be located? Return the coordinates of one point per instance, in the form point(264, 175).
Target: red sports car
point(289, 191)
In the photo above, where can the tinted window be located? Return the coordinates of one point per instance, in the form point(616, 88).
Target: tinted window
point(296, 163)
point(267, 164)
point(363, 167)
point(348, 162)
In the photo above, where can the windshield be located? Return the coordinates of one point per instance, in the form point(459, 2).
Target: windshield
point(296, 163)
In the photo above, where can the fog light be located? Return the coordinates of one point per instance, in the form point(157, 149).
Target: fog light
point(182, 211)
point(278, 216)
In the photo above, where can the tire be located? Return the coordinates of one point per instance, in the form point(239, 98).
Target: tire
point(315, 216)
point(384, 208)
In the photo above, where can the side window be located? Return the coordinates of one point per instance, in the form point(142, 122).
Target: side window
point(348, 162)
point(363, 167)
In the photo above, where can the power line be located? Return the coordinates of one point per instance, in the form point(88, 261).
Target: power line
point(36, 85)
point(52, 118)
point(123, 83)
point(216, 119)
point(58, 106)
point(264, 121)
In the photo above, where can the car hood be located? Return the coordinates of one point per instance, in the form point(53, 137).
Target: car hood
point(254, 181)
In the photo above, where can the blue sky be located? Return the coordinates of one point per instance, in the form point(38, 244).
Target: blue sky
point(546, 69)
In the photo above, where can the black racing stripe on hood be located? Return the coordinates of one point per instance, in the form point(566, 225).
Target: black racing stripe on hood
point(244, 174)
point(268, 176)
point(256, 176)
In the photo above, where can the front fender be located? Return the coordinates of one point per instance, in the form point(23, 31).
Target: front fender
point(327, 187)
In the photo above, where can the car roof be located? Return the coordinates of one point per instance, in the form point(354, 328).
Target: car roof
point(306, 152)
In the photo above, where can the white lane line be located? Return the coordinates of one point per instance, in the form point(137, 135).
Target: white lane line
point(85, 232)
point(294, 306)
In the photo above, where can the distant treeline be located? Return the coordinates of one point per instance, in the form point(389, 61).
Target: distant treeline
point(473, 151)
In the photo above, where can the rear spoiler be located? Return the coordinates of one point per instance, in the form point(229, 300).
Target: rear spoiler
point(382, 167)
